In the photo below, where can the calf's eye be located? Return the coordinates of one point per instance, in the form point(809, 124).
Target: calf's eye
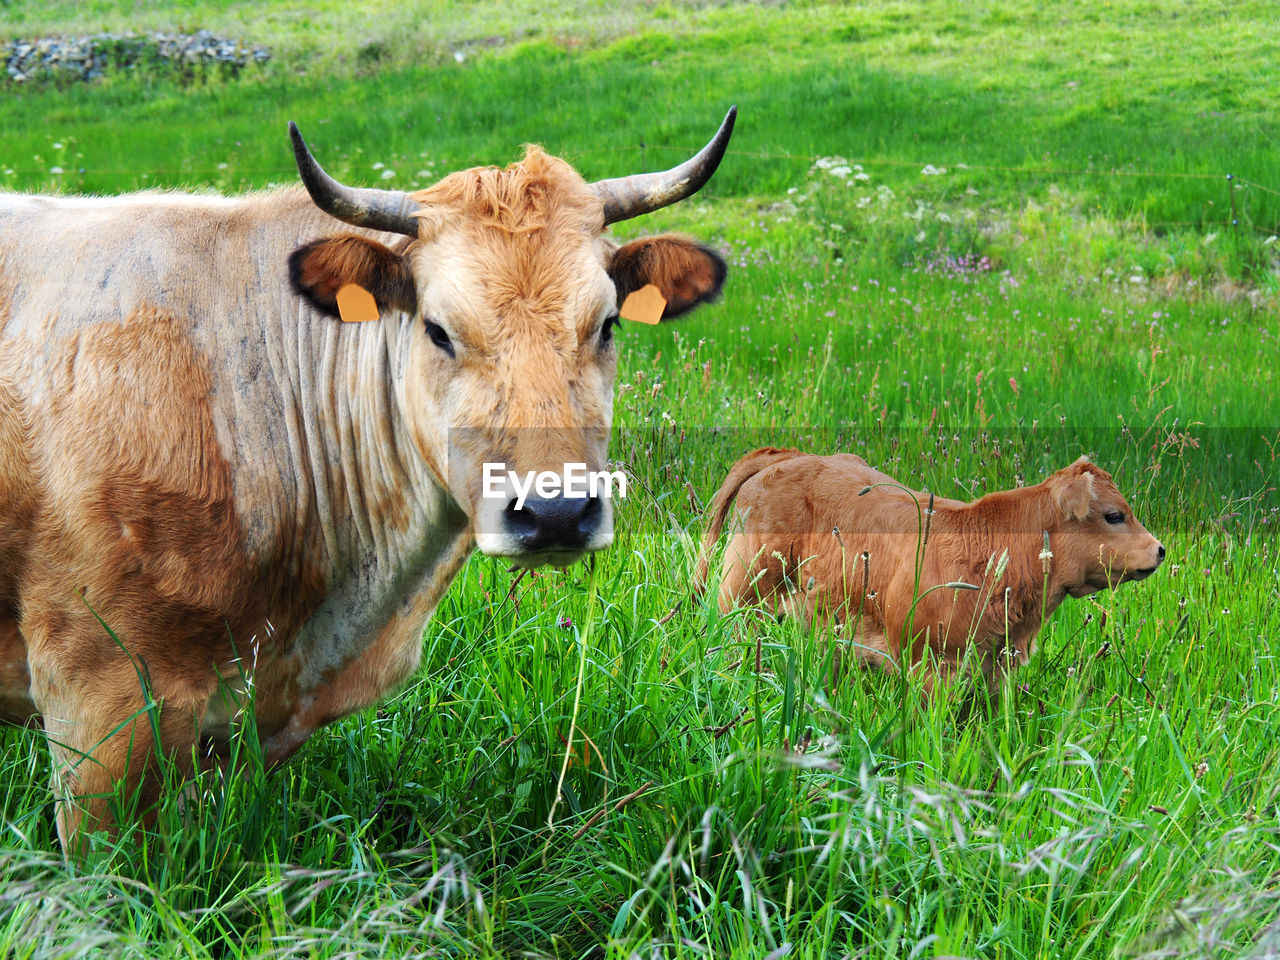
point(439, 337)
point(1115, 516)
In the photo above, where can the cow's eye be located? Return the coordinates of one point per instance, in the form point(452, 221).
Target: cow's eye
point(440, 338)
point(1115, 516)
point(606, 331)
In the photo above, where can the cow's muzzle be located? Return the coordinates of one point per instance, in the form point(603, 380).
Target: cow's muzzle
point(548, 531)
point(554, 523)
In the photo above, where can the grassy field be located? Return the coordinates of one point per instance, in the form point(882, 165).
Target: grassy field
point(969, 244)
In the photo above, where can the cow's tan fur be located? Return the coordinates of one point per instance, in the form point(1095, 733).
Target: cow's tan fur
point(242, 487)
point(804, 539)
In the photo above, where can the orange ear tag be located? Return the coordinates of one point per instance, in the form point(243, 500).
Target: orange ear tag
point(644, 305)
point(356, 304)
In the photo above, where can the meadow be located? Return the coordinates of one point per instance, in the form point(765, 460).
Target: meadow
point(968, 244)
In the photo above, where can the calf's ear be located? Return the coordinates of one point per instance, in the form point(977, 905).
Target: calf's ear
point(1073, 490)
point(321, 268)
point(685, 273)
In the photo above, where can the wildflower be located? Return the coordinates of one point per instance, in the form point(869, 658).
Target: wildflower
point(564, 623)
point(55, 170)
point(931, 171)
point(388, 174)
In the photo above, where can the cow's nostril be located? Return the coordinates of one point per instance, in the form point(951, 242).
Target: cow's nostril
point(1160, 552)
point(589, 522)
point(521, 521)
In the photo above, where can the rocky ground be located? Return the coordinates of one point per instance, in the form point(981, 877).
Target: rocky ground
point(90, 57)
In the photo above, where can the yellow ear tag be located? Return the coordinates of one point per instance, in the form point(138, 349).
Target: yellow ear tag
point(356, 304)
point(644, 305)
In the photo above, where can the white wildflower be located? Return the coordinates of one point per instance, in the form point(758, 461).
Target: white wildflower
point(55, 170)
point(931, 171)
point(388, 174)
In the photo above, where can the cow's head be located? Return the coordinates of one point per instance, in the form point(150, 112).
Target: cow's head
point(1099, 542)
point(500, 306)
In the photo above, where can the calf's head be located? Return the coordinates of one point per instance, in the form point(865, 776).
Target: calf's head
point(499, 298)
point(1098, 542)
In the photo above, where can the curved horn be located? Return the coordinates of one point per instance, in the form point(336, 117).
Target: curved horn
point(388, 210)
point(627, 197)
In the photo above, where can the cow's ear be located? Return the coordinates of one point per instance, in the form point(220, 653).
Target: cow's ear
point(320, 269)
point(1073, 490)
point(685, 273)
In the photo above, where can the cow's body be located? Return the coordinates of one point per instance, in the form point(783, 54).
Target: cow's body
point(218, 488)
point(246, 491)
point(833, 538)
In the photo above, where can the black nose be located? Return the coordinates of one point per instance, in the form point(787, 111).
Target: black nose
point(551, 523)
point(1160, 552)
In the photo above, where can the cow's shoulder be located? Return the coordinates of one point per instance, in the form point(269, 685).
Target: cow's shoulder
point(136, 508)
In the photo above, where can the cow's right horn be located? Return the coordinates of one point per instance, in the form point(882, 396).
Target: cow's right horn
point(388, 210)
point(627, 197)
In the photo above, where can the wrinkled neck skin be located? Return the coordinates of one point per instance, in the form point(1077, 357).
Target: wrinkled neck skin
point(364, 518)
point(377, 521)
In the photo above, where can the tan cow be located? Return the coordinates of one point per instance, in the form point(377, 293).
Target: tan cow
point(194, 448)
point(833, 538)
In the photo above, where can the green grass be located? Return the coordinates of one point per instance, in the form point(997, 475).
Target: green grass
point(1121, 801)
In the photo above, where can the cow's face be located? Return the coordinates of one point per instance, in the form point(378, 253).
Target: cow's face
point(501, 317)
point(1100, 544)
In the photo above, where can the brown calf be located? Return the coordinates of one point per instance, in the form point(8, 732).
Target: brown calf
point(833, 538)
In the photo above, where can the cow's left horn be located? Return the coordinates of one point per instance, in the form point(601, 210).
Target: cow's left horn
point(388, 210)
point(628, 197)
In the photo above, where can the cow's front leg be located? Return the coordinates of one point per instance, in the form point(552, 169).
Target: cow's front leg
point(101, 722)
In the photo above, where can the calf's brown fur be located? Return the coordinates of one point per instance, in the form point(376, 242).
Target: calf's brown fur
point(806, 539)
